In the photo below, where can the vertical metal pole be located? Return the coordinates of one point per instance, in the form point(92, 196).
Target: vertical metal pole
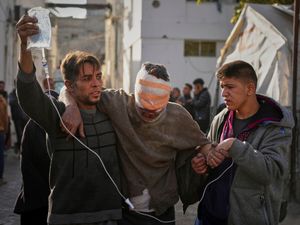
point(294, 99)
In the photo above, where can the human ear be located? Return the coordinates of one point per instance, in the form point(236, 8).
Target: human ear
point(69, 85)
point(251, 88)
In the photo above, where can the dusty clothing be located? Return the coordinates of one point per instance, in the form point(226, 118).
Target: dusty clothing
point(81, 192)
point(260, 157)
point(148, 149)
point(3, 115)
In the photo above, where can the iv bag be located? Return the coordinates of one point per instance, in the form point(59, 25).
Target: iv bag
point(43, 38)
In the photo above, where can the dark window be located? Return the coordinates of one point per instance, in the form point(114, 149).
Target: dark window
point(191, 48)
point(200, 48)
point(208, 48)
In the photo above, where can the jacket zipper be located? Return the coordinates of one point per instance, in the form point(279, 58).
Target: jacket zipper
point(263, 202)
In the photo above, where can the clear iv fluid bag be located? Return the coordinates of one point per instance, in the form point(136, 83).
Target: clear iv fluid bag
point(43, 38)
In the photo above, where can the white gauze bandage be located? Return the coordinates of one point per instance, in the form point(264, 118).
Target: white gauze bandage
point(151, 93)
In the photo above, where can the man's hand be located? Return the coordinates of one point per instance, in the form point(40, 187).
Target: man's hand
point(225, 146)
point(26, 27)
point(216, 156)
point(73, 121)
point(199, 164)
point(71, 117)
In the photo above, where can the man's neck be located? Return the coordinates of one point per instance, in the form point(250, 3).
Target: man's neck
point(86, 107)
point(249, 109)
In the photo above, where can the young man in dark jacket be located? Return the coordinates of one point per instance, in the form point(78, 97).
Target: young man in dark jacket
point(258, 133)
point(201, 104)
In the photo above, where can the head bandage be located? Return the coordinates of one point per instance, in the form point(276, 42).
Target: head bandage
point(151, 93)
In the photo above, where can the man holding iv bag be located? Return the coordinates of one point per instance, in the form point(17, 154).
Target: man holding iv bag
point(81, 192)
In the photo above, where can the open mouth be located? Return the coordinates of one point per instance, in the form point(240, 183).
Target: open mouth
point(96, 93)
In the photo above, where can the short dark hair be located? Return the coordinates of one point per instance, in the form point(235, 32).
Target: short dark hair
point(176, 89)
point(157, 70)
point(73, 61)
point(238, 69)
point(199, 81)
point(2, 82)
point(188, 85)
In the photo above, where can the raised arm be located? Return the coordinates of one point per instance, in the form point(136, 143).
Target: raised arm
point(31, 97)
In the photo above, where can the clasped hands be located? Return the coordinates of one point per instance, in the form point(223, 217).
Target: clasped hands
point(213, 157)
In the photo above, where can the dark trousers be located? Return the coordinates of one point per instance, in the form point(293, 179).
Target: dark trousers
point(35, 217)
point(132, 218)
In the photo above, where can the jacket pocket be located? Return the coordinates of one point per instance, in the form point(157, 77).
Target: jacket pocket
point(264, 208)
point(247, 207)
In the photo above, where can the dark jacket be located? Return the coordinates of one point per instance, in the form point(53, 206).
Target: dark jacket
point(35, 162)
point(201, 105)
point(16, 111)
point(185, 100)
point(190, 184)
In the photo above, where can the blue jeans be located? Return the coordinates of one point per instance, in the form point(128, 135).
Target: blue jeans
point(2, 146)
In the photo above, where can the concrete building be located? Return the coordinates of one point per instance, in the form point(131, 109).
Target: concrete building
point(70, 34)
point(114, 45)
point(7, 42)
point(10, 12)
point(184, 36)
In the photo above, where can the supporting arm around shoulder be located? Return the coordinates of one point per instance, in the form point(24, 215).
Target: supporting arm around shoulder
point(71, 118)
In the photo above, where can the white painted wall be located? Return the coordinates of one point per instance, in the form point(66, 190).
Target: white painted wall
point(162, 32)
point(72, 34)
point(7, 39)
point(132, 44)
point(2, 44)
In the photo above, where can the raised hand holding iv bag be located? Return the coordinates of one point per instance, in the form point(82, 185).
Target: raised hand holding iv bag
point(43, 38)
